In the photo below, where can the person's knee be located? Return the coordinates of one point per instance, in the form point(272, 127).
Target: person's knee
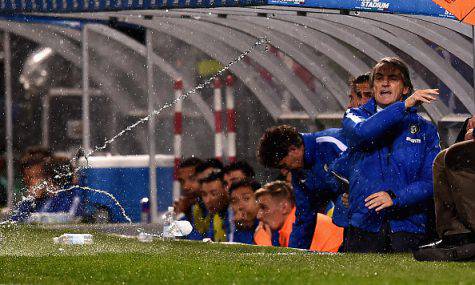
point(439, 161)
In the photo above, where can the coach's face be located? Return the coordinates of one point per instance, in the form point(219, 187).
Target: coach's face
point(388, 86)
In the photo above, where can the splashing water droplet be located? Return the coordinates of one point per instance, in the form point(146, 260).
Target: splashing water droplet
point(82, 153)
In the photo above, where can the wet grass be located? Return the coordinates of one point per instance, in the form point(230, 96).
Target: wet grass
point(28, 255)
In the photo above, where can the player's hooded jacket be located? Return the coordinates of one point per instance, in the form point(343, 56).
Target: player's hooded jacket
point(314, 186)
point(76, 201)
point(63, 202)
point(393, 151)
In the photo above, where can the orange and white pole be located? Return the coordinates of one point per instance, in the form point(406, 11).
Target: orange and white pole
point(230, 119)
point(218, 110)
point(177, 140)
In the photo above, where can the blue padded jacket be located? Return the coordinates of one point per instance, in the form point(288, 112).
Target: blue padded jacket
point(392, 150)
point(314, 186)
point(61, 202)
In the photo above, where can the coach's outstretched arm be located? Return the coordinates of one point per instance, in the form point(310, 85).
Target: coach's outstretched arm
point(363, 131)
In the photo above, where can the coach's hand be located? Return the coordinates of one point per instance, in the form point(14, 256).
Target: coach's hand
point(379, 200)
point(421, 96)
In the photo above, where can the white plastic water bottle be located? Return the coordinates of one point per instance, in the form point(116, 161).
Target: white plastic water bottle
point(145, 237)
point(168, 221)
point(73, 239)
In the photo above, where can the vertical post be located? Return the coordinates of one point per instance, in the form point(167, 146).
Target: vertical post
point(230, 119)
point(114, 127)
point(9, 117)
point(86, 135)
point(152, 164)
point(218, 109)
point(285, 105)
point(45, 121)
point(177, 141)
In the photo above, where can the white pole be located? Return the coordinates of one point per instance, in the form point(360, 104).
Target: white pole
point(217, 103)
point(177, 143)
point(152, 164)
point(9, 117)
point(45, 122)
point(86, 135)
point(230, 119)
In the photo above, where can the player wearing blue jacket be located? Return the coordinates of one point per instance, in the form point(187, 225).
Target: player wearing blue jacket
point(392, 149)
point(308, 157)
point(63, 202)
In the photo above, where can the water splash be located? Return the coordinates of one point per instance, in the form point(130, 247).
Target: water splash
point(122, 210)
point(263, 41)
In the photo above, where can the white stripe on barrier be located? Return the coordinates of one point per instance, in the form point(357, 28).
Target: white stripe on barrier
point(178, 103)
point(217, 104)
point(229, 98)
point(177, 146)
point(176, 190)
point(218, 150)
point(123, 161)
point(232, 145)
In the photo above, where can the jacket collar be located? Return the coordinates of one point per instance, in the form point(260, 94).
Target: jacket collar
point(371, 106)
point(286, 230)
point(309, 149)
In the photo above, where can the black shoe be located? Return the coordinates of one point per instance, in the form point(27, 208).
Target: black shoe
point(441, 252)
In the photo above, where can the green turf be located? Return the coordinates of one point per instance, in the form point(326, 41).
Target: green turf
point(28, 255)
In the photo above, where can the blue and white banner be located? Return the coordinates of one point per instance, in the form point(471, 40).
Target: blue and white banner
point(62, 6)
point(416, 7)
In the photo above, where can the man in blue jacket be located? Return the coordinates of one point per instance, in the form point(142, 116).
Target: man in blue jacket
point(44, 176)
point(308, 157)
point(392, 149)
